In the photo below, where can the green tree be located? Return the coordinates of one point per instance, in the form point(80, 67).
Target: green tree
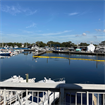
point(83, 44)
point(102, 43)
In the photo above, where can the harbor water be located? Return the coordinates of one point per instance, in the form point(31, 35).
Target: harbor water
point(74, 71)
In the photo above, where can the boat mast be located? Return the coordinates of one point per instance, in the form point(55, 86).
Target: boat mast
point(2, 43)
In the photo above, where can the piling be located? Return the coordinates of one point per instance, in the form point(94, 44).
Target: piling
point(27, 76)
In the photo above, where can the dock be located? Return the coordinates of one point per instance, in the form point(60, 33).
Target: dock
point(69, 58)
point(29, 49)
point(80, 53)
point(39, 53)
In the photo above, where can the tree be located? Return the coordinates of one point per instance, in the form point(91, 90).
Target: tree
point(102, 43)
point(67, 44)
point(83, 44)
point(53, 44)
point(41, 44)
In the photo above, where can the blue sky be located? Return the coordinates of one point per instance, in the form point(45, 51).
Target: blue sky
point(31, 21)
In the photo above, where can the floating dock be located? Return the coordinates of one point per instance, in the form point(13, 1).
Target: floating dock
point(69, 58)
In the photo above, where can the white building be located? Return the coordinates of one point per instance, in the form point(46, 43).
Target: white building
point(91, 48)
point(22, 45)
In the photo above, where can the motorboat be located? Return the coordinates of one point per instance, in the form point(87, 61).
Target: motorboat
point(4, 52)
point(15, 46)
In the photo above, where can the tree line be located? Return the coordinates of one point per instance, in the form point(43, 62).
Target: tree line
point(49, 43)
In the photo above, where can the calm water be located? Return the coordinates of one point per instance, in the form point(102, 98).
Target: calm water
point(74, 71)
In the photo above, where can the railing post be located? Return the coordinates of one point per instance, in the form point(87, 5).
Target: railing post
point(103, 99)
point(18, 98)
point(38, 97)
point(4, 96)
point(61, 96)
point(54, 97)
point(81, 98)
point(92, 98)
point(87, 98)
point(26, 97)
point(75, 98)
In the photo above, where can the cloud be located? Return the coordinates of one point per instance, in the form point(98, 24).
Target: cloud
point(95, 37)
point(32, 25)
point(25, 31)
point(98, 30)
point(32, 12)
point(104, 30)
point(16, 9)
point(99, 19)
point(74, 13)
point(57, 33)
point(87, 31)
point(77, 35)
point(15, 35)
point(84, 34)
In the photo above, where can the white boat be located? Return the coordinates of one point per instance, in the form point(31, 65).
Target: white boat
point(6, 47)
point(4, 52)
point(15, 46)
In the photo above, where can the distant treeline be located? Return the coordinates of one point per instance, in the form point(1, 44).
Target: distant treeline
point(49, 43)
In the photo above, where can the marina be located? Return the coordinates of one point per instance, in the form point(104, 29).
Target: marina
point(52, 52)
point(48, 91)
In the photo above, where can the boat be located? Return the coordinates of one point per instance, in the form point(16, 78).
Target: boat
point(4, 52)
point(15, 46)
point(6, 47)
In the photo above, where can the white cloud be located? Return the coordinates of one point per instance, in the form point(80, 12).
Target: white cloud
point(77, 35)
point(15, 35)
point(95, 37)
point(25, 31)
point(57, 33)
point(16, 9)
point(84, 34)
point(32, 12)
point(32, 25)
point(74, 13)
point(104, 30)
point(98, 30)
point(87, 31)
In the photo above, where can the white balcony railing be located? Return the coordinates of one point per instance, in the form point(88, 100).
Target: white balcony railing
point(47, 93)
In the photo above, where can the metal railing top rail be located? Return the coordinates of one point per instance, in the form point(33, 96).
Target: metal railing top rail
point(54, 86)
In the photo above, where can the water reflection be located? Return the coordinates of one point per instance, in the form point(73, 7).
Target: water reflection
point(57, 59)
point(74, 71)
point(3, 57)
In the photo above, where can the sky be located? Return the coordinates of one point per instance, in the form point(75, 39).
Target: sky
point(52, 20)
